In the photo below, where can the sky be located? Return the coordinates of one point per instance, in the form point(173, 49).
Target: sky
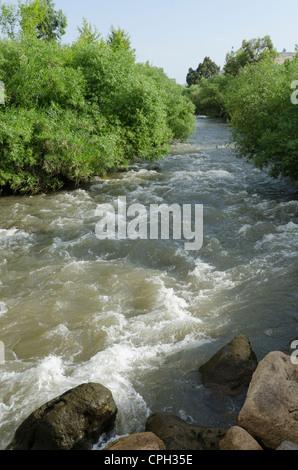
point(176, 35)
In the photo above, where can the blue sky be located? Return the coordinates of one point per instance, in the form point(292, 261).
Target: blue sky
point(176, 35)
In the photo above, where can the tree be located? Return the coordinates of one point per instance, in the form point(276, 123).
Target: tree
point(32, 19)
point(263, 118)
point(88, 34)
point(31, 14)
point(192, 77)
point(9, 19)
point(78, 111)
point(53, 23)
point(251, 52)
point(210, 96)
point(206, 69)
point(119, 40)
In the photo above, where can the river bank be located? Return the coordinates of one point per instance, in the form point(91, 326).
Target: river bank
point(141, 316)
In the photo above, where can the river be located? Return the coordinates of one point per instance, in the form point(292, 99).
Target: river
point(141, 316)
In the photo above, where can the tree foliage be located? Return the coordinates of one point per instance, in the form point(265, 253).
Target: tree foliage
point(251, 52)
point(53, 23)
point(209, 97)
point(206, 69)
point(119, 40)
point(32, 14)
point(254, 96)
point(9, 20)
point(75, 111)
point(32, 19)
point(264, 119)
point(88, 33)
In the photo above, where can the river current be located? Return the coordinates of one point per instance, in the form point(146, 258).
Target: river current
point(141, 316)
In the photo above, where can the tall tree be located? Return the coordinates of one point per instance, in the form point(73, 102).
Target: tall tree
point(251, 52)
point(119, 40)
point(34, 19)
point(53, 23)
point(88, 33)
point(192, 77)
point(9, 19)
point(206, 69)
point(32, 13)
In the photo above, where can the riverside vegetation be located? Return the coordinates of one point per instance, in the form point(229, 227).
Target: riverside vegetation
point(83, 109)
point(75, 111)
point(254, 95)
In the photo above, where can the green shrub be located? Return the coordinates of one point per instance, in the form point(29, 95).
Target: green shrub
point(73, 112)
point(264, 119)
point(209, 97)
point(41, 151)
point(178, 107)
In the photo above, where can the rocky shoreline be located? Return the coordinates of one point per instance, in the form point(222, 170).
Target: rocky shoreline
point(268, 419)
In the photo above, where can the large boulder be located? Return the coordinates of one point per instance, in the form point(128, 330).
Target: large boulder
point(138, 441)
point(230, 370)
point(270, 411)
point(177, 434)
point(237, 438)
point(74, 420)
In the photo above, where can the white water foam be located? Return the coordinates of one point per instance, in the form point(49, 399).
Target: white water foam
point(8, 233)
point(3, 308)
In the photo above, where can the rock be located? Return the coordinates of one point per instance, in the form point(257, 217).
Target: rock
point(74, 420)
point(177, 434)
point(287, 445)
point(156, 168)
point(230, 370)
point(237, 438)
point(140, 441)
point(270, 411)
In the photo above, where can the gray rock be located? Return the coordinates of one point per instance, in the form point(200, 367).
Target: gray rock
point(74, 420)
point(287, 445)
point(230, 370)
point(177, 434)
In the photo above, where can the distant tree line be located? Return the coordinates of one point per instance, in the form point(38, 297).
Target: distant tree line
point(253, 93)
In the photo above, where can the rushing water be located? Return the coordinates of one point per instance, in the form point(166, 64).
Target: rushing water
point(141, 316)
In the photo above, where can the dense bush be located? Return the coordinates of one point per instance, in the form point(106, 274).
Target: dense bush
point(179, 109)
point(264, 119)
point(75, 111)
point(256, 101)
point(209, 97)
